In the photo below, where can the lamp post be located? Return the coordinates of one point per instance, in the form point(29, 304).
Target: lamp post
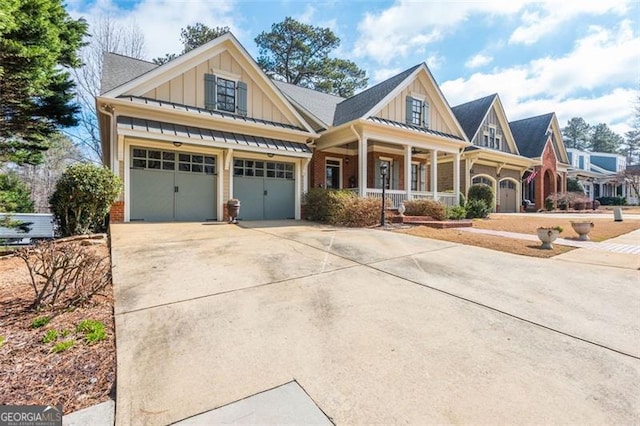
point(383, 174)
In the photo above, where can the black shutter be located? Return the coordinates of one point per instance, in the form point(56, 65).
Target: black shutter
point(409, 108)
point(425, 114)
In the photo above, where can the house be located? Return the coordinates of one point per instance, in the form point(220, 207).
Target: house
point(403, 123)
point(188, 135)
point(539, 138)
point(599, 173)
point(493, 158)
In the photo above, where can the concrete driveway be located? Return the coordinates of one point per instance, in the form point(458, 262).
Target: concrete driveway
point(376, 327)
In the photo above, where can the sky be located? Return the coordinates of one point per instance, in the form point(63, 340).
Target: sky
point(577, 58)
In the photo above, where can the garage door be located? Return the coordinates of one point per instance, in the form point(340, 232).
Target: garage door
point(508, 198)
point(266, 189)
point(167, 185)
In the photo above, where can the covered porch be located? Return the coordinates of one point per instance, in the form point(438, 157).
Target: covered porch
point(421, 165)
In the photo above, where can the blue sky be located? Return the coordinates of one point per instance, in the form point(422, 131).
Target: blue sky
point(574, 57)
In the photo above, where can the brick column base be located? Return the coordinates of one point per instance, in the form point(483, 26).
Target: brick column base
point(116, 213)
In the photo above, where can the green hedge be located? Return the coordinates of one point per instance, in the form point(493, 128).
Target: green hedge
point(612, 201)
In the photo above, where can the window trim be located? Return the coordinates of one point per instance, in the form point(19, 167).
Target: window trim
point(340, 163)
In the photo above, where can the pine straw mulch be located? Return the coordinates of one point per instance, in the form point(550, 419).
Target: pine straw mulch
point(30, 373)
point(604, 229)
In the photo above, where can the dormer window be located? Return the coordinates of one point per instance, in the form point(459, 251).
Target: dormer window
point(491, 138)
point(224, 94)
point(417, 112)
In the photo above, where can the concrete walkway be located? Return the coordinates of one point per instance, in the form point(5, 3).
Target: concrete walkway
point(373, 326)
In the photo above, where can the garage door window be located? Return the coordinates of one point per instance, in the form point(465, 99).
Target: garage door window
point(268, 169)
point(165, 160)
point(507, 184)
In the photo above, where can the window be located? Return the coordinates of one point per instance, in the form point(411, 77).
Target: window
point(417, 180)
point(507, 184)
point(270, 169)
point(166, 160)
point(482, 180)
point(226, 94)
point(491, 139)
point(223, 94)
point(332, 174)
point(417, 112)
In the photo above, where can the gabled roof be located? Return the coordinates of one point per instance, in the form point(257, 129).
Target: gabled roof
point(470, 115)
point(118, 69)
point(531, 134)
point(320, 105)
point(358, 105)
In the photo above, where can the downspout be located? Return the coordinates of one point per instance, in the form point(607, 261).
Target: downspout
point(110, 112)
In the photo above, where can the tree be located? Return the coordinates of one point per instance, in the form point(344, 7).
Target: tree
point(15, 196)
point(84, 193)
point(192, 37)
point(574, 185)
point(106, 36)
point(631, 145)
point(41, 178)
point(603, 139)
point(299, 54)
point(38, 43)
point(576, 134)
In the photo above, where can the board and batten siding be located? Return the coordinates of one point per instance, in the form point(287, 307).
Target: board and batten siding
point(396, 109)
point(492, 120)
point(188, 88)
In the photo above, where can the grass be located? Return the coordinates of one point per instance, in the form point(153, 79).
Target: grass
point(50, 336)
point(94, 331)
point(40, 321)
point(604, 229)
point(62, 346)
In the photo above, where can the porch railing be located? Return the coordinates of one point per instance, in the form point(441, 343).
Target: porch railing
point(397, 197)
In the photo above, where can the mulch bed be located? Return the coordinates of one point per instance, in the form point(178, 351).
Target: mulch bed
point(30, 372)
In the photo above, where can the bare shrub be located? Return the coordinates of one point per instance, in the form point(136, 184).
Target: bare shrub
point(357, 212)
point(64, 274)
point(433, 209)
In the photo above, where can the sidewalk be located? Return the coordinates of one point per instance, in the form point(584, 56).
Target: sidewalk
point(622, 251)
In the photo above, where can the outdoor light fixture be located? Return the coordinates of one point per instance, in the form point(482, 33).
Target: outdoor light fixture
point(270, 155)
point(177, 143)
point(383, 174)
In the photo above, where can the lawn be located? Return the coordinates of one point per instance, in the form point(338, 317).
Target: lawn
point(604, 228)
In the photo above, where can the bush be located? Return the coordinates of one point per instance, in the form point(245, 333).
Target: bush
point(549, 203)
point(84, 193)
point(477, 209)
point(481, 192)
point(612, 201)
point(340, 207)
point(424, 207)
point(574, 185)
point(64, 274)
point(456, 212)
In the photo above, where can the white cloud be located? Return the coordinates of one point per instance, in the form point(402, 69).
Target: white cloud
point(549, 15)
point(409, 25)
point(383, 74)
point(160, 20)
point(592, 81)
point(306, 16)
point(478, 60)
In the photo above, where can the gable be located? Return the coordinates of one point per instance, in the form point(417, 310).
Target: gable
point(223, 60)
point(421, 87)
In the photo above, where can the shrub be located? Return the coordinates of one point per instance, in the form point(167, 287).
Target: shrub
point(65, 273)
point(424, 207)
point(549, 203)
point(340, 207)
point(456, 212)
point(462, 199)
point(574, 185)
point(477, 209)
point(481, 192)
point(82, 198)
point(612, 201)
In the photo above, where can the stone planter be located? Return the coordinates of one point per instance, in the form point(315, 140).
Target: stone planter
point(582, 229)
point(547, 236)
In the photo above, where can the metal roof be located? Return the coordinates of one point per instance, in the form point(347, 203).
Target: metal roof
point(213, 113)
point(207, 135)
point(416, 128)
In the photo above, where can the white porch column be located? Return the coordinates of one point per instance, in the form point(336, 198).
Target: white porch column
point(456, 178)
point(407, 170)
point(362, 167)
point(434, 173)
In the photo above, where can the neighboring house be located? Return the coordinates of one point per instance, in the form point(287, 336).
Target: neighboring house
point(539, 138)
point(600, 173)
point(493, 159)
point(188, 135)
point(403, 122)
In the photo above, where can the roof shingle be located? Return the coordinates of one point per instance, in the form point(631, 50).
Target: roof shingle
point(471, 114)
point(118, 70)
point(531, 134)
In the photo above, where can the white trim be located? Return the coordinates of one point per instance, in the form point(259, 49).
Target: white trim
point(339, 160)
point(225, 74)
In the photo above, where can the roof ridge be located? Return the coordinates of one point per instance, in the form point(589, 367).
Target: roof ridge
point(131, 57)
point(306, 88)
point(494, 95)
point(368, 89)
point(532, 118)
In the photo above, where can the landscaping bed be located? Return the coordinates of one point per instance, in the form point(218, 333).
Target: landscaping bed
point(34, 372)
point(604, 228)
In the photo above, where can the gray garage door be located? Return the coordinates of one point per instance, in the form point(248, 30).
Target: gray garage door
point(508, 198)
point(168, 186)
point(266, 189)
